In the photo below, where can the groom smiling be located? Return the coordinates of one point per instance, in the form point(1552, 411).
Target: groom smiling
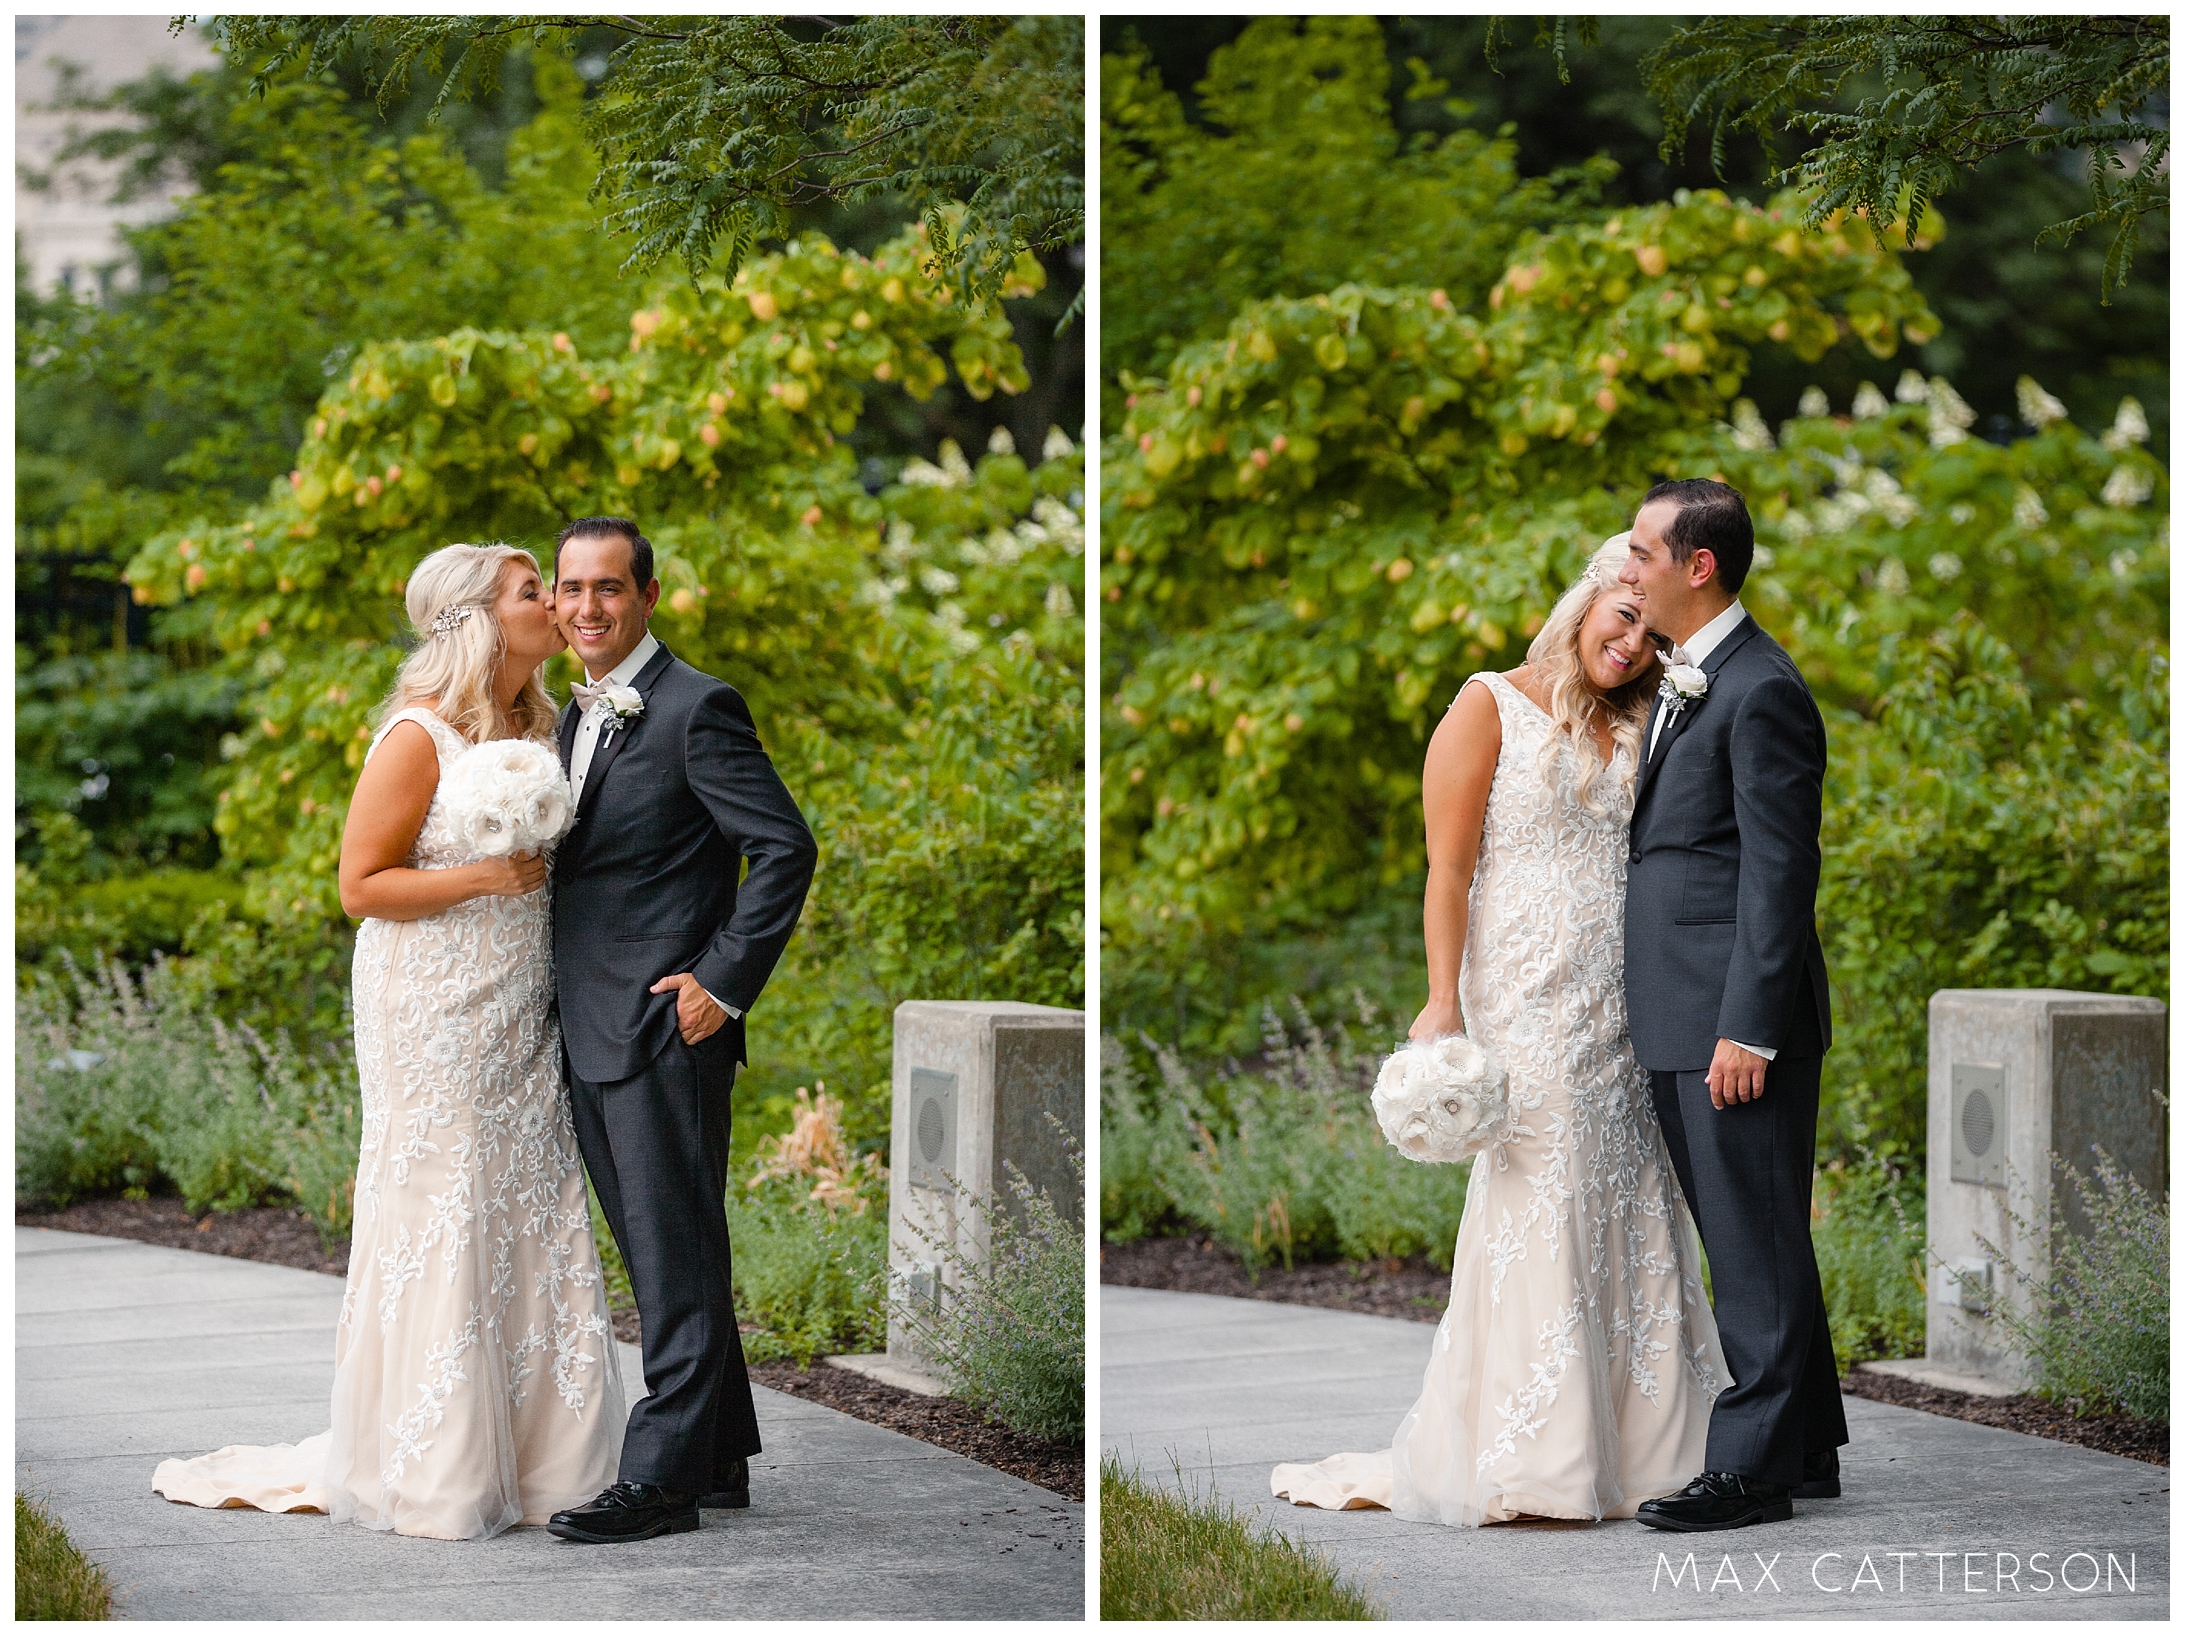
point(659, 951)
point(1728, 996)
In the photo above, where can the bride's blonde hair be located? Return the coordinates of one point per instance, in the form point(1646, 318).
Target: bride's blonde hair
point(1575, 710)
point(450, 599)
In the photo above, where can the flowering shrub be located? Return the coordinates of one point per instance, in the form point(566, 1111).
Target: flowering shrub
point(2099, 1324)
point(1008, 1336)
point(1319, 526)
point(124, 1080)
point(810, 1247)
point(913, 658)
point(813, 1150)
point(1287, 1160)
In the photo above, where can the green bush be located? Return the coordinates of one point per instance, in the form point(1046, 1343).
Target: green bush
point(1342, 474)
point(1009, 1336)
point(1285, 1159)
point(2099, 1324)
point(812, 1279)
point(1872, 1252)
point(123, 1081)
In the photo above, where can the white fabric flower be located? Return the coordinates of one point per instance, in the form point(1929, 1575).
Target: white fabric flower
point(508, 795)
point(1439, 1100)
point(1682, 683)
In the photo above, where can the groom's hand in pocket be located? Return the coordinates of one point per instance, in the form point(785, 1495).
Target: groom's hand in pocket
point(1736, 1074)
point(696, 1016)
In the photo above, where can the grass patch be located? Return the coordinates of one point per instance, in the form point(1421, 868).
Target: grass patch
point(1171, 1556)
point(53, 1579)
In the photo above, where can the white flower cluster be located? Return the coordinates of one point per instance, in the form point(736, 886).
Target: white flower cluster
point(1439, 1100)
point(2130, 427)
point(1949, 417)
point(1747, 430)
point(508, 795)
point(2036, 407)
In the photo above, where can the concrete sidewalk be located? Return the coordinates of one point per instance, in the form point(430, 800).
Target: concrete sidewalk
point(1215, 1391)
point(127, 1353)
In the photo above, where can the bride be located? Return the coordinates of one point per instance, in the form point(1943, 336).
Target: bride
point(475, 1378)
point(1575, 1369)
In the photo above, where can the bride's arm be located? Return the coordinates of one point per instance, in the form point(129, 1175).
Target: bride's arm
point(393, 794)
point(1460, 768)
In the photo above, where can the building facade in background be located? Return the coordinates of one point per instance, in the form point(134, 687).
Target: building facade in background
point(67, 225)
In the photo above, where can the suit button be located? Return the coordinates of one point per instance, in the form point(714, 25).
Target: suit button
point(1634, 856)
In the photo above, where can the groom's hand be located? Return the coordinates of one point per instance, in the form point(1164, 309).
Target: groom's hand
point(696, 1016)
point(1736, 1074)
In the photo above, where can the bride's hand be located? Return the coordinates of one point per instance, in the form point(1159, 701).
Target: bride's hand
point(1440, 1017)
point(511, 877)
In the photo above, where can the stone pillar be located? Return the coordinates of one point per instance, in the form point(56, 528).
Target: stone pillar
point(974, 1083)
point(2012, 1076)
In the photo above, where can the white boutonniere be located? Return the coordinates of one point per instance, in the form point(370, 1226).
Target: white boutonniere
point(624, 704)
point(1681, 684)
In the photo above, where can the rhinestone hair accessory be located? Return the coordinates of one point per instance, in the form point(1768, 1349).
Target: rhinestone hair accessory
point(448, 618)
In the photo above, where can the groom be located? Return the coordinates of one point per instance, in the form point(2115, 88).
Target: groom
point(1729, 996)
point(658, 953)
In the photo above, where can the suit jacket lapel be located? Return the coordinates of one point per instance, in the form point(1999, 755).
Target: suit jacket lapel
point(567, 734)
point(1711, 667)
point(610, 743)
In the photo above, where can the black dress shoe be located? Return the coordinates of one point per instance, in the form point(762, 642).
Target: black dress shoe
point(1718, 1499)
point(1819, 1481)
point(627, 1511)
point(734, 1494)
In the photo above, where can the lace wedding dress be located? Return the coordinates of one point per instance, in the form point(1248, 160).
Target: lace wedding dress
point(1575, 1369)
point(475, 1378)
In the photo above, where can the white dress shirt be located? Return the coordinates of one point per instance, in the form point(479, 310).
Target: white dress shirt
point(1695, 651)
point(589, 727)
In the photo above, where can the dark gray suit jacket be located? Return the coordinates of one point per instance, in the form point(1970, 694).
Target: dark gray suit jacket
point(1719, 938)
point(645, 884)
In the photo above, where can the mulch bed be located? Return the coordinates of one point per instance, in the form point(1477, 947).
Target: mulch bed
point(285, 1237)
point(1413, 1288)
point(2147, 1440)
point(1417, 1290)
point(282, 1235)
point(941, 1421)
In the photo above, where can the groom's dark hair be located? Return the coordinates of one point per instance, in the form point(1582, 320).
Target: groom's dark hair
point(585, 528)
point(1710, 516)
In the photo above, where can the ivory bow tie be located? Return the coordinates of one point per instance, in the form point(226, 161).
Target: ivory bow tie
point(589, 695)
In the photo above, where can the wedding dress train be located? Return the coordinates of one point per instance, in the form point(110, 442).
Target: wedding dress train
point(1574, 1371)
point(475, 1378)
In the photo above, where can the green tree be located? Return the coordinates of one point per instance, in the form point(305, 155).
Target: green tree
point(187, 395)
point(1317, 527)
point(1292, 179)
point(913, 655)
point(2008, 305)
point(1935, 97)
point(713, 130)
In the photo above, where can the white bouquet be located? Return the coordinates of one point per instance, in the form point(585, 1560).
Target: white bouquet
point(1441, 1099)
point(508, 795)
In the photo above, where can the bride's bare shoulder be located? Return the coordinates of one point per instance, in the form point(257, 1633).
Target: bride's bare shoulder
point(1473, 720)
